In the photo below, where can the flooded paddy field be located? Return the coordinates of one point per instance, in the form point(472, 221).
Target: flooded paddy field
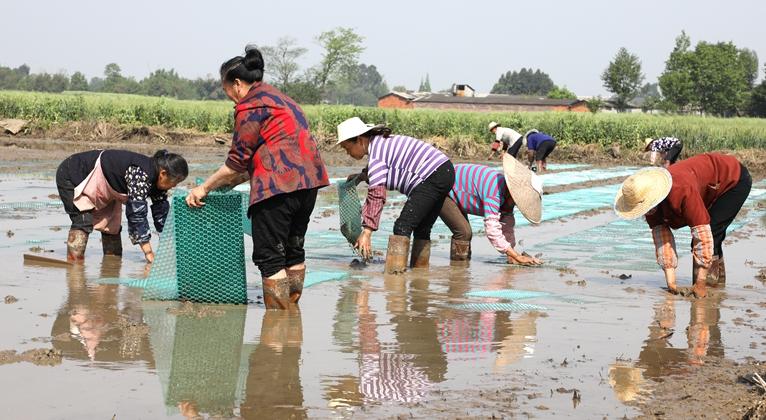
point(591, 334)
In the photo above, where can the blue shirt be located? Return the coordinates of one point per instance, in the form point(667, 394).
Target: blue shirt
point(535, 139)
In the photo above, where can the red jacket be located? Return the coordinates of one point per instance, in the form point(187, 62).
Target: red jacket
point(273, 143)
point(697, 183)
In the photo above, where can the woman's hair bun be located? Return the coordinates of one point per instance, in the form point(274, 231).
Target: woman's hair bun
point(253, 58)
point(160, 154)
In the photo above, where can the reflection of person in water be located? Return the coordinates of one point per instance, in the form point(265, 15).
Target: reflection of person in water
point(94, 323)
point(386, 376)
point(417, 331)
point(659, 358)
point(274, 388)
point(462, 332)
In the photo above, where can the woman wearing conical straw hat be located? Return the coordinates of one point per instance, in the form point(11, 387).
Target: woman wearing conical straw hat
point(483, 191)
point(704, 192)
point(414, 168)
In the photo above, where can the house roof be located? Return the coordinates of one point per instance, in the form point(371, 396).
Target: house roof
point(492, 99)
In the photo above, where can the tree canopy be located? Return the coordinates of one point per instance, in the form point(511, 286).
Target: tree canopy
point(524, 82)
point(623, 77)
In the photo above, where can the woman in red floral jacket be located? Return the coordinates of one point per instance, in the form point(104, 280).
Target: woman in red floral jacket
point(273, 148)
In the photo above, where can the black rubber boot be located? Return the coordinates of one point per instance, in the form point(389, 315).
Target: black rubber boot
point(111, 244)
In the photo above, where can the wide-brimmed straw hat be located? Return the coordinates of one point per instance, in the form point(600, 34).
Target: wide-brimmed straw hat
point(492, 125)
point(642, 192)
point(647, 143)
point(526, 188)
point(353, 127)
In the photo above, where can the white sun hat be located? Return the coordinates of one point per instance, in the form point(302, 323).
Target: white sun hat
point(642, 192)
point(353, 127)
point(492, 125)
point(526, 188)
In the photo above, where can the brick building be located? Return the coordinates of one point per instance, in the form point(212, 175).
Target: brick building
point(464, 98)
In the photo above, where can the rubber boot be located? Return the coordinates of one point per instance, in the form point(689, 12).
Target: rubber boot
point(421, 253)
point(276, 293)
point(396, 255)
point(295, 280)
point(76, 243)
point(111, 244)
point(460, 250)
point(716, 276)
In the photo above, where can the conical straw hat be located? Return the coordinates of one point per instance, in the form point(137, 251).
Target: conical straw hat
point(642, 192)
point(526, 188)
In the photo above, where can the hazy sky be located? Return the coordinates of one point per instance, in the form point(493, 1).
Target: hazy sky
point(454, 41)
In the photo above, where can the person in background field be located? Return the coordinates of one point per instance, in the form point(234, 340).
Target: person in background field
point(414, 168)
point(667, 148)
point(539, 146)
point(482, 191)
point(704, 192)
point(504, 137)
point(94, 186)
point(273, 148)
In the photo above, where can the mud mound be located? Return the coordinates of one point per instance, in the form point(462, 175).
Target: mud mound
point(39, 357)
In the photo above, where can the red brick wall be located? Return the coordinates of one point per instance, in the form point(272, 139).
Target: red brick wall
point(393, 101)
point(581, 107)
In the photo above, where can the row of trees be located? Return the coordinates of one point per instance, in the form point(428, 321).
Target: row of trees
point(713, 78)
point(338, 78)
point(159, 83)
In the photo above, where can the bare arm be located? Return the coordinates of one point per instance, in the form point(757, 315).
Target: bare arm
point(224, 176)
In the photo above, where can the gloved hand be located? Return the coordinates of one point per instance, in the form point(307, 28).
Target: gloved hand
point(357, 178)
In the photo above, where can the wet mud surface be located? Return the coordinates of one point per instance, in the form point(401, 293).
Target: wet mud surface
point(598, 338)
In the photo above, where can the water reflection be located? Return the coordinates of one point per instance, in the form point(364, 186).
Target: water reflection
point(274, 389)
point(510, 339)
point(97, 322)
point(658, 358)
point(427, 336)
point(201, 362)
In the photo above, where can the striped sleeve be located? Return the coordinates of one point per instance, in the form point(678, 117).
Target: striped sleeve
point(702, 245)
point(665, 246)
point(373, 206)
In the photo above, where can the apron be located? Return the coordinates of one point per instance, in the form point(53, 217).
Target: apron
point(95, 193)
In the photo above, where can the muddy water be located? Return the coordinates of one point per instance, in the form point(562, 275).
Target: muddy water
point(368, 345)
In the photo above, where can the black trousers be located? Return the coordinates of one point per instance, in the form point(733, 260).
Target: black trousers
point(514, 149)
point(725, 209)
point(80, 220)
point(544, 149)
point(279, 227)
point(674, 153)
point(425, 202)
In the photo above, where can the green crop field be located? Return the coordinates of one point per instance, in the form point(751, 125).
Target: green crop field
point(699, 133)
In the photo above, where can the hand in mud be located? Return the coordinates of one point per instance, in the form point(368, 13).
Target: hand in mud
point(523, 259)
point(195, 197)
point(364, 244)
point(670, 279)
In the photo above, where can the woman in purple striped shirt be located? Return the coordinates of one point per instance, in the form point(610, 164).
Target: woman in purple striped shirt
point(405, 164)
point(483, 191)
